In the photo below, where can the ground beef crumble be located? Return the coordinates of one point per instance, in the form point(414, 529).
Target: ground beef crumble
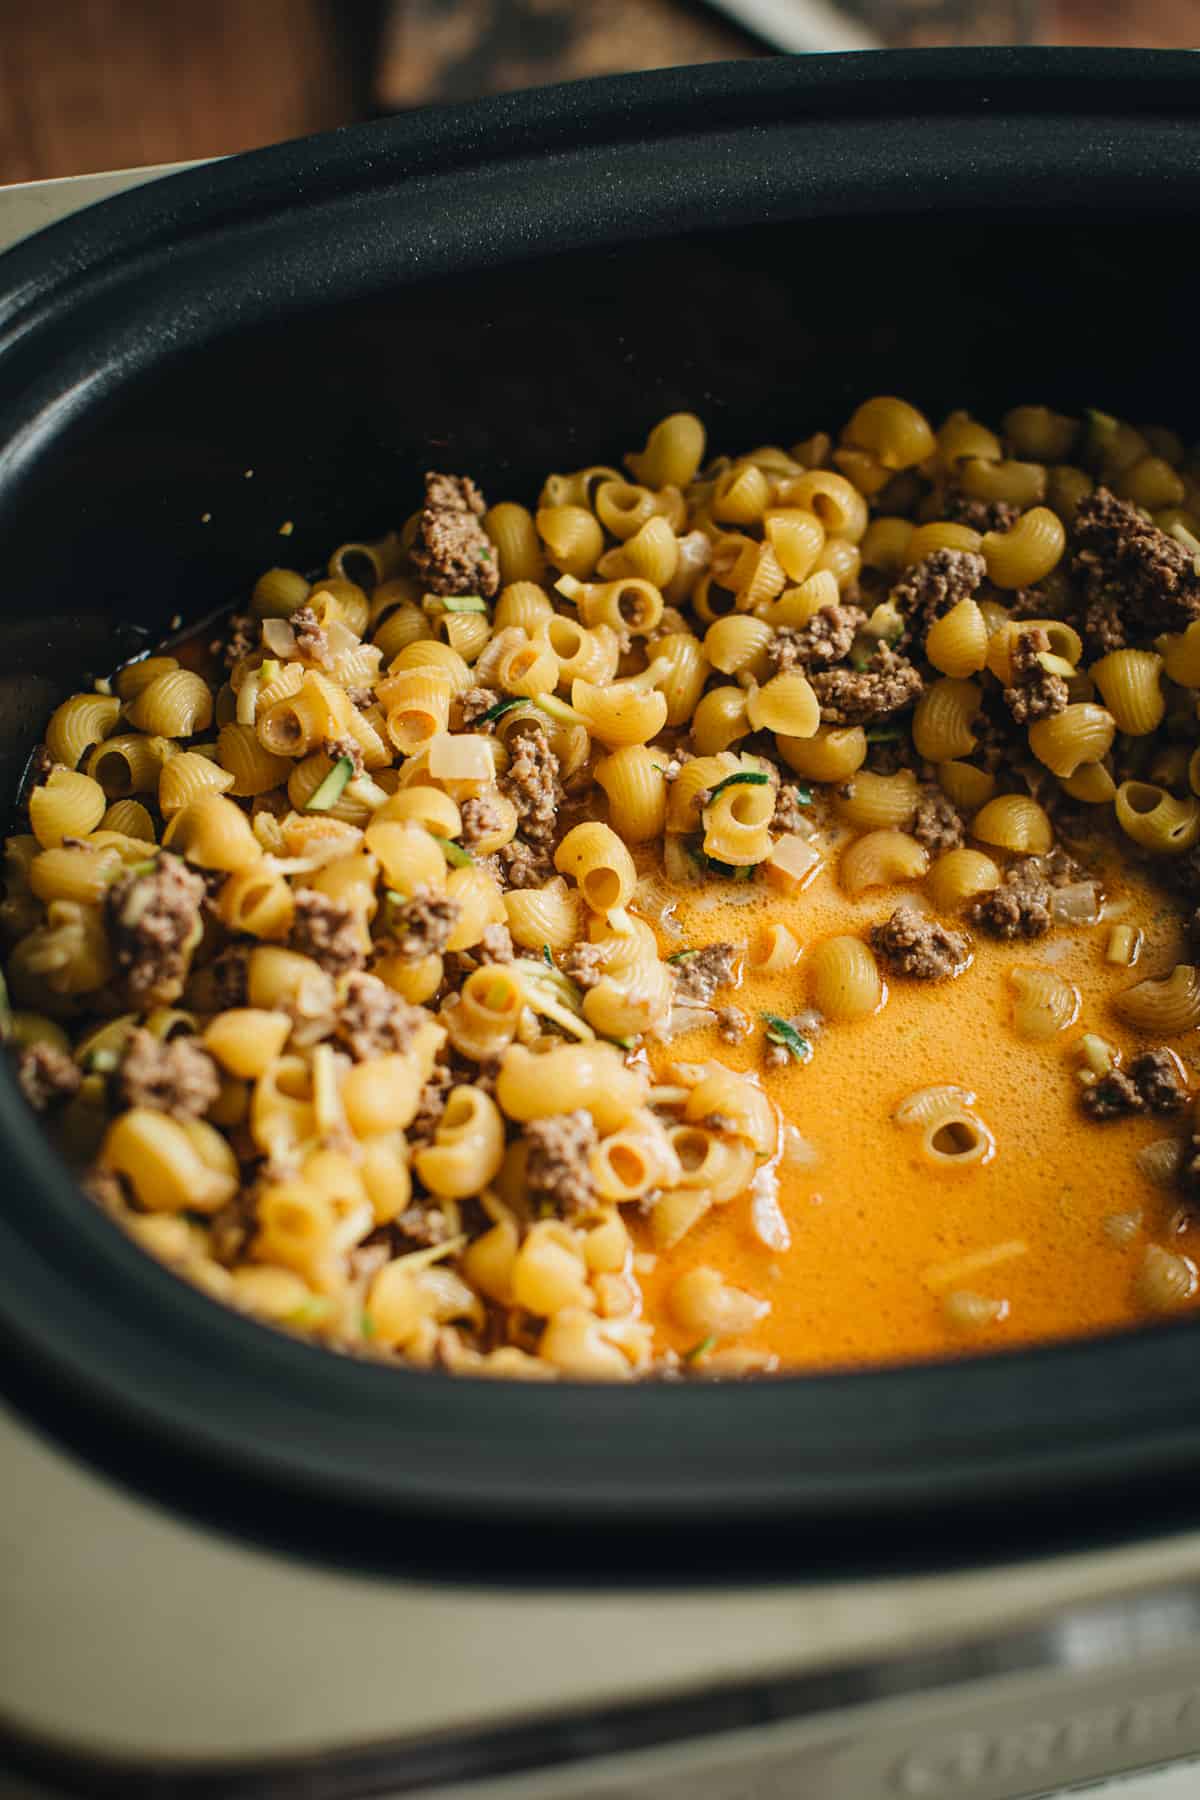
point(327, 930)
point(979, 515)
point(701, 972)
point(496, 945)
point(481, 817)
point(420, 927)
point(373, 1020)
point(432, 1104)
point(1018, 908)
point(531, 782)
point(241, 639)
point(455, 554)
point(732, 1024)
point(825, 640)
point(938, 823)
point(558, 1172)
point(46, 1075)
point(228, 974)
point(936, 584)
point(584, 964)
point(1134, 576)
point(473, 704)
point(923, 949)
point(153, 924)
point(888, 685)
point(338, 747)
point(523, 865)
point(791, 812)
point(1035, 693)
point(311, 641)
point(175, 1076)
point(1152, 1084)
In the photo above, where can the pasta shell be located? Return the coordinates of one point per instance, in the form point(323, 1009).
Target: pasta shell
point(1167, 1007)
point(1044, 1003)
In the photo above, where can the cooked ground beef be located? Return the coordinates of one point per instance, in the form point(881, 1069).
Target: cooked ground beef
point(420, 926)
point(531, 782)
point(46, 1075)
point(337, 747)
point(107, 1189)
point(474, 703)
point(936, 584)
point(241, 639)
point(701, 972)
point(432, 1104)
point(481, 816)
point(584, 963)
point(230, 1230)
point(228, 973)
point(327, 930)
point(311, 641)
point(1035, 693)
point(558, 1173)
point(373, 1020)
point(923, 949)
point(455, 555)
point(175, 1076)
point(791, 812)
point(153, 925)
point(1134, 576)
point(938, 823)
point(1018, 908)
point(423, 1226)
point(496, 945)
point(1152, 1083)
point(523, 865)
point(979, 515)
point(825, 640)
point(40, 765)
point(888, 685)
point(732, 1024)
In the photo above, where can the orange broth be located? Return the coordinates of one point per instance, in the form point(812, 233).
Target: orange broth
point(872, 1226)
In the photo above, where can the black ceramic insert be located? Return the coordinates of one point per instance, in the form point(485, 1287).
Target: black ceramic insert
point(509, 288)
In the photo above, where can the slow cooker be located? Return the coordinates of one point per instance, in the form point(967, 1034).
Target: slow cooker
point(235, 1565)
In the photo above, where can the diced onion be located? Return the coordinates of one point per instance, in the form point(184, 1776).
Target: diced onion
point(278, 637)
point(1078, 904)
point(461, 757)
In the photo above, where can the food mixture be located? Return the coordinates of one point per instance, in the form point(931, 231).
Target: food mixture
point(732, 916)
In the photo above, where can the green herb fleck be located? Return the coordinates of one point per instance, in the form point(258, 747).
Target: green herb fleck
point(138, 868)
point(744, 777)
point(464, 603)
point(780, 1032)
point(501, 707)
point(884, 734)
point(557, 709)
point(681, 956)
point(860, 660)
point(727, 871)
point(330, 790)
point(701, 1349)
point(547, 956)
point(455, 855)
point(310, 1312)
point(368, 1325)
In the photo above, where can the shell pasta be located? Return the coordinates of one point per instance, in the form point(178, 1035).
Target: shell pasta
point(690, 918)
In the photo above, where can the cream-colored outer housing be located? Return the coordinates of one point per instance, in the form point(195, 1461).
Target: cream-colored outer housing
point(129, 1634)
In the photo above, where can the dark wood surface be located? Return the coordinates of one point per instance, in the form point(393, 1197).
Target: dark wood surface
point(103, 84)
point(110, 84)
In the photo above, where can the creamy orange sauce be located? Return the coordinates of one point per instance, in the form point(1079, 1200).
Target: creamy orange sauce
point(870, 1222)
